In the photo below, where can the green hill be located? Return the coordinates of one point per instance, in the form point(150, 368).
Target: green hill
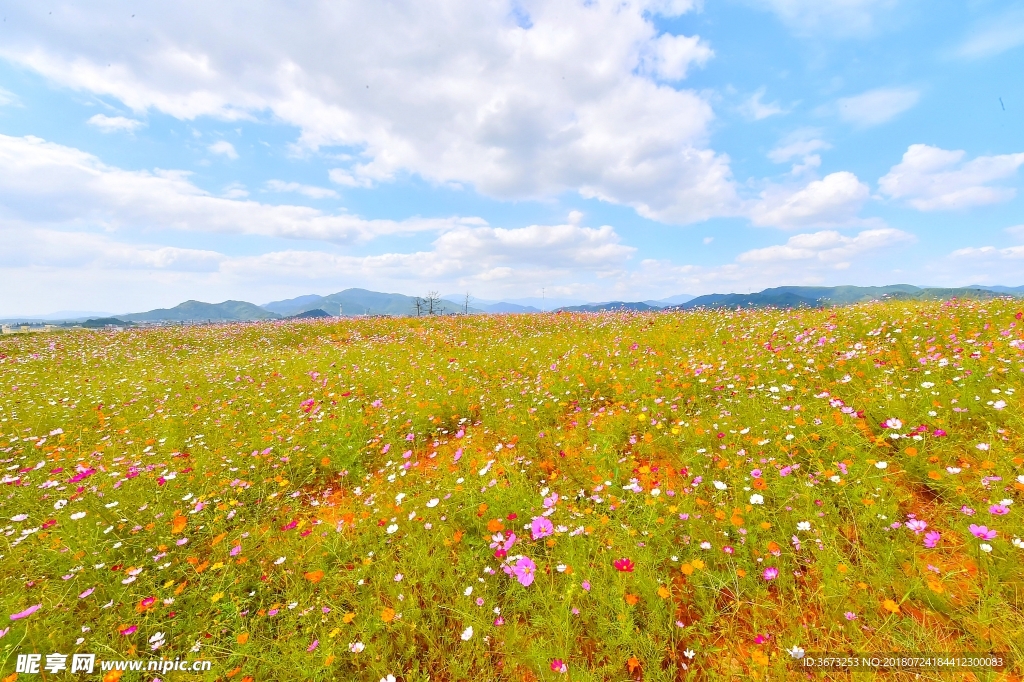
point(197, 311)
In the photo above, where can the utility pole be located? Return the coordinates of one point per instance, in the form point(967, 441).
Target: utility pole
point(465, 309)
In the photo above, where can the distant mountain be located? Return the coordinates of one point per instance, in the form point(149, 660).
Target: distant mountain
point(309, 315)
point(816, 297)
point(197, 311)
point(359, 302)
point(288, 306)
point(1000, 289)
point(101, 322)
point(671, 300)
point(610, 305)
point(503, 307)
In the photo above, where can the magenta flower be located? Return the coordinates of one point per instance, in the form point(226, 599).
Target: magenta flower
point(998, 509)
point(917, 526)
point(130, 630)
point(559, 666)
point(524, 571)
point(624, 565)
point(26, 613)
point(541, 527)
point(770, 573)
point(931, 538)
point(314, 645)
point(499, 621)
point(982, 532)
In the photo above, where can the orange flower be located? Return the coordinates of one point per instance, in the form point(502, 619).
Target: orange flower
point(495, 525)
point(760, 484)
point(891, 606)
point(242, 638)
point(178, 524)
point(632, 599)
point(387, 615)
point(314, 576)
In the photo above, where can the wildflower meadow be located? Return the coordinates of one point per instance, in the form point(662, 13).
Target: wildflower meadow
point(659, 496)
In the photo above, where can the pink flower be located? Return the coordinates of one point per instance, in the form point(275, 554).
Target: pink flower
point(938, 432)
point(458, 454)
point(586, 585)
point(931, 538)
point(86, 593)
point(236, 550)
point(982, 532)
point(998, 509)
point(624, 565)
point(26, 613)
point(524, 571)
point(917, 526)
point(559, 666)
point(892, 423)
point(967, 510)
point(770, 573)
point(541, 527)
point(551, 500)
point(499, 621)
point(850, 615)
point(314, 645)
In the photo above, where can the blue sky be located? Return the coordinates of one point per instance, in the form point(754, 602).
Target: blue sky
point(595, 150)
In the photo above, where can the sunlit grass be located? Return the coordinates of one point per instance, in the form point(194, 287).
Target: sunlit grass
point(336, 500)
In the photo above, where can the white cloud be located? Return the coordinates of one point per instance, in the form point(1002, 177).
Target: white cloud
point(832, 17)
point(113, 124)
point(875, 107)
point(931, 179)
point(832, 201)
point(670, 56)
point(997, 35)
point(459, 93)
point(310, 191)
point(755, 109)
point(828, 246)
point(800, 143)
point(7, 97)
point(1009, 253)
point(47, 184)
point(223, 148)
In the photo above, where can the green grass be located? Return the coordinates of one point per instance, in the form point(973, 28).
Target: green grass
point(275, 434)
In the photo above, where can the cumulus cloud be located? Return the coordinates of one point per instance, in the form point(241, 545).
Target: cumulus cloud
point(828, 246)
point(518, 100)
point(834, 200)
point(49, 184)
point(875, 107)
point(223, 148)
point(932, 179)
point(113, 124)
point(310, 191)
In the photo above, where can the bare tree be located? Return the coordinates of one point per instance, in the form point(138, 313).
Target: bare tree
point(433, 302)
point(465, 305)
point(418, 303)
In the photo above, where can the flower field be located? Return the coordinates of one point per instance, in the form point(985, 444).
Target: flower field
point(703, 495)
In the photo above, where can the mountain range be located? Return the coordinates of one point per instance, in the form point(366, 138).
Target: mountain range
point(353, 302)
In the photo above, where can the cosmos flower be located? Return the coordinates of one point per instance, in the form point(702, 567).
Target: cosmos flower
point(624, 565)
point(26, 613)
point(931, 539)
point(541, 527)
point(770, 573)
point(982, 532)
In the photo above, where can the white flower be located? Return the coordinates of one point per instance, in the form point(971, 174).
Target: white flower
point(892, 423)
point(982, 446)
point(756, 499)
point(881, 465)
point(927, 384)
point(356, 647)
point(1017, 542)
point(689, 653)
point(953, 470)
point(1006, 503)
point(279, 560)
point(985, 547)
point(834, 479)
point(389, 678)
point(720, 485)
point(19, 517)
point(59, 504)
point(803, 525)
point(433, 502)
point(392, 528)
point(77, 515)
point(705, 545)
point(468, 591)
point(398, 577)
point(467, 634)
point(399, 497)
point(999, 404)
point(796, 651)
point(1020, 479)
